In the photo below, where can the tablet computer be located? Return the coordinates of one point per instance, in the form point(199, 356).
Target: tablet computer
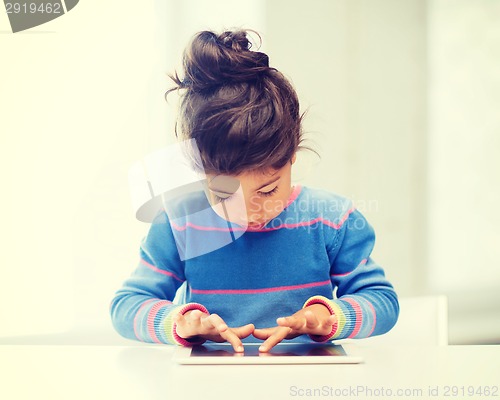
point(283, 353)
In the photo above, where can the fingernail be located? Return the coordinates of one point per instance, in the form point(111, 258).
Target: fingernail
point(239, 349)
point(262, 348)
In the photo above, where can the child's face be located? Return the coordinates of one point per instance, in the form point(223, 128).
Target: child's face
point(252, 198)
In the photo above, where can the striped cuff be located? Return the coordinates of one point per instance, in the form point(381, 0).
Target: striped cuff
point(171, 326)
point(331, 307)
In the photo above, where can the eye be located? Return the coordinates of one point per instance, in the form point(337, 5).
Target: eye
point(222, 187)
point(219, 199)
point(269, 193)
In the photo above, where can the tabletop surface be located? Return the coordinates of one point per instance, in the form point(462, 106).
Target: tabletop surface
point(148, 372)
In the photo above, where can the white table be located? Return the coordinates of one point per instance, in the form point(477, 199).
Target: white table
point(147, 372)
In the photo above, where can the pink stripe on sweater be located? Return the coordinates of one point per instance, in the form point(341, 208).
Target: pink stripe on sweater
point(286, 226)
point(341, 275)
point(160, 271)
point(255, 291)
point(201, 228)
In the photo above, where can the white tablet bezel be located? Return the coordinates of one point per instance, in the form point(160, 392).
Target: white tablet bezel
point(182, 355)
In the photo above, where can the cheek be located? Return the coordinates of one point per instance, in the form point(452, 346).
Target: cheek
point(235, 208)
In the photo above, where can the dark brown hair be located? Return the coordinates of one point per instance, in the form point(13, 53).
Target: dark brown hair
point(243, 114)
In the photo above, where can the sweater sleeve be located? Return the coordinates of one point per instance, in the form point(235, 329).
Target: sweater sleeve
point(365, 302)
point(142, 309)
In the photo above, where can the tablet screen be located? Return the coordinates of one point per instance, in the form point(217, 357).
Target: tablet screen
point(280, 350)
point(283, 353)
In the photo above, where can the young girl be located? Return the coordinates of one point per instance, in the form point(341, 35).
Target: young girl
point(297, 264)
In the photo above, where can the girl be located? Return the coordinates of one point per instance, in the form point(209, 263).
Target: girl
point(297, 262)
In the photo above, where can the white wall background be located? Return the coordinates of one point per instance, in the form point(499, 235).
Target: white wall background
point(402, 100)
point(464, 164)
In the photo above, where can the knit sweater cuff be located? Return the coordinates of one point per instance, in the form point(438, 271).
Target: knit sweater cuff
point(171, 326)
point(335, 309)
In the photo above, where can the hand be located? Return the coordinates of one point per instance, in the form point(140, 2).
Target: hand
point(313, 320)
point(211, 327)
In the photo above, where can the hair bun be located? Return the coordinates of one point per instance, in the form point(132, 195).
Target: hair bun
point(235, 40)
point(212, 60)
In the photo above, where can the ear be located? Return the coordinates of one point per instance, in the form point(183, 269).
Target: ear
point(294, 157)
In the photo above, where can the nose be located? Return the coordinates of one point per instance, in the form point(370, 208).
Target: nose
point(254, 211)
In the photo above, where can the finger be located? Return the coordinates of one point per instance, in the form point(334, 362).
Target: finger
point(194, 315)
point(280, 334)
point(185, 325)
point(233, 339)
point(327, 323)
point(213, 321)
point(244, 331)
point(330, 321)
point(333, 319)
point(311, 320)
point(263, 333)
point(291, 322)
point(190, 318)
point(324, 327)
point(180, 322)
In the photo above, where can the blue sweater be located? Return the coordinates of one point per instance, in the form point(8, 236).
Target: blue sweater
point(317, 250)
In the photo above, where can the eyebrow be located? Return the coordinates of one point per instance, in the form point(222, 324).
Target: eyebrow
point(215, 190)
